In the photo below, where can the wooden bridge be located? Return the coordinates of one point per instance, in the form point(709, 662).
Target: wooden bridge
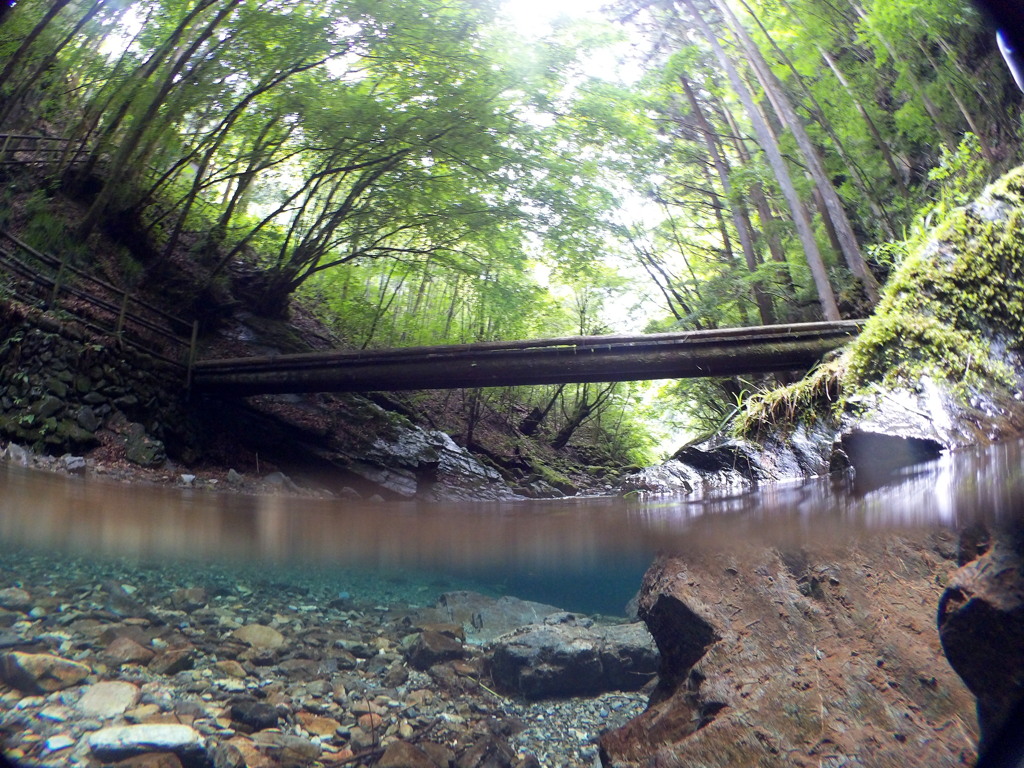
point(694, 354)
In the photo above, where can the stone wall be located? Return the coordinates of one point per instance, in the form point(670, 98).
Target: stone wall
point(60, 388)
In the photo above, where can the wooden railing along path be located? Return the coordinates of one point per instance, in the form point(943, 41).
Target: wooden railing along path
point(105, 309)
point(26, 149)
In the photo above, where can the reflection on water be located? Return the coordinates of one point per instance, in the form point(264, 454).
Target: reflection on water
point(565, 551)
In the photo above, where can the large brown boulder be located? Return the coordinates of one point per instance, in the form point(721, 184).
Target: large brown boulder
point(797, 658)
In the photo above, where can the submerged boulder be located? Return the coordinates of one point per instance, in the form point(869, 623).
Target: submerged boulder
point(569, 657)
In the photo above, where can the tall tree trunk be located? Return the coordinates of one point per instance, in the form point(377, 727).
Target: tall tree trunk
point(860, 179)
point(834, 210)
point(881, 143)
point(916, 86)
point(802, 221)
point(26, 44)
point(741, 221)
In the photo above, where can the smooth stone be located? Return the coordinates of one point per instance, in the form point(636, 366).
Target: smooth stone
point(318, 725)
point(40, 672)
point(125, 650)
point(401, 754)
point(151, 760)
point(59, 742)
point(256, 715)
point(260, 636)
point(124, 741)
point(288, 750)
point(15, 599)
point(231, 668)
point(108, 699)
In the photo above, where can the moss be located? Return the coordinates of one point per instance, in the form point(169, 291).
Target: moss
point(958, 292)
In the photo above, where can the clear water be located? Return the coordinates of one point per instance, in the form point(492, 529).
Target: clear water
point(586, 555)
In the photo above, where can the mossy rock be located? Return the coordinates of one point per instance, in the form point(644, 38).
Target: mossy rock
point(951, 318)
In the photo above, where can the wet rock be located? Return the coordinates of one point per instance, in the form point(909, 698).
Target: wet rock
point(755, 672)
point(569, 659)
point(74, 465)
point(255, 715)
point(432, 648)
point(401, 754)
point(231, 668)
point(87, 419)
point(15, 599)
point(40, 672)
point(981, 626)
point(189, 599)
point(142, 449)
point(287, 750)
point(318, 725)
point(127, 741)
point(482, 617)
point(173, 660)
point(107, 699)
point(125, 650)
point(260, 636)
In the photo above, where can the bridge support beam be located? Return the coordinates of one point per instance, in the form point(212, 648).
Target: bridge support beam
point(548, 361)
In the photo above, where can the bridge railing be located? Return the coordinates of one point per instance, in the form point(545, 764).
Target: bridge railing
point(53, 283)
point(27, 149)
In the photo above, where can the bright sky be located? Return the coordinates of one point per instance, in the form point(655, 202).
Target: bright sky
point(534, 17)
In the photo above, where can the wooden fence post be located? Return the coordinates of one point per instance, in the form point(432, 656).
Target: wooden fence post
point(120, 317)
point(58, 280)
point(192, 354)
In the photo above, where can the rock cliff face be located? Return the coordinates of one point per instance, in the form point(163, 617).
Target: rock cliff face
point(791, 658)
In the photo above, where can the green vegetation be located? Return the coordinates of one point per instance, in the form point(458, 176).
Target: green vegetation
point(419, 172)
point(952, 312)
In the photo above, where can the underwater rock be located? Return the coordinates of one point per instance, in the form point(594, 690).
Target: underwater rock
point(288, 750)
point(125, 650)
point(432, 647)
point(108, 698)
point(124, 741)
point(260, 636)
point(401, 754)
point(482, 617)
point(767, 662)
point(981, 626)
point(40, 672)
point(570, 659)
point(15, 599)
point(255, 715)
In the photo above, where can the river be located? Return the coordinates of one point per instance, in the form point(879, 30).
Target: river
point(65, 539)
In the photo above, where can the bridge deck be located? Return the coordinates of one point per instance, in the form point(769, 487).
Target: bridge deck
point(694, 354)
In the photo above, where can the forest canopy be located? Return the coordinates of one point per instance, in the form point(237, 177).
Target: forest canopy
point(422, 172)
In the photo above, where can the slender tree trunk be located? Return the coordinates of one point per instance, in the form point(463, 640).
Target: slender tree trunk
point(778, 165)
point(986, 149)
point(916, 86)
point(834, 210)
point(26, 44)
point(872, 127)
point(741, 221)
point(28, 82)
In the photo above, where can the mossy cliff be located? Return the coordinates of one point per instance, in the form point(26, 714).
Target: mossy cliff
point(940, 359)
